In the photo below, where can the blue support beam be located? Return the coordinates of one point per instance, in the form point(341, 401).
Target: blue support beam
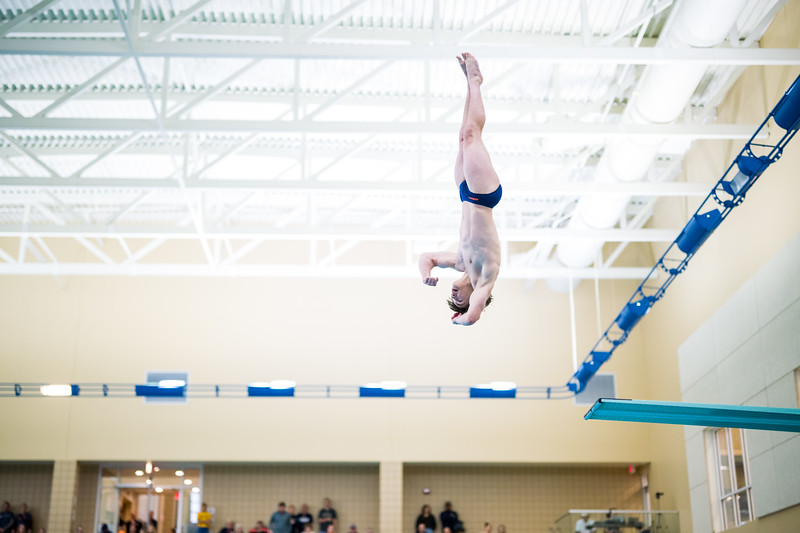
point(727, 193)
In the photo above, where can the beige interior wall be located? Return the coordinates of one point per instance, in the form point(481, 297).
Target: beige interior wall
point(523, 498)
point(247, 493)
point(87, 496)
point(314, 331)
point(782, 522)
point(29, 483)
point(750, 235)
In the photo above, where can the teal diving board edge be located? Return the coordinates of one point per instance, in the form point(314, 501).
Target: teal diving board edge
point(696, 414)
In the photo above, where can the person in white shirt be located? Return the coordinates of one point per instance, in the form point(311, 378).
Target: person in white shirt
point(583, 525)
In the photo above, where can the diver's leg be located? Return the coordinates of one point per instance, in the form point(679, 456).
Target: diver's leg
point(458, 171)
point(478, 171)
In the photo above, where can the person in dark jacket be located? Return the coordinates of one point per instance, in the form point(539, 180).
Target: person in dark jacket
point(427, 519)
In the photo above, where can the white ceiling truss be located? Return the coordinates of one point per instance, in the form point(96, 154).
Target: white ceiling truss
point(199, 137)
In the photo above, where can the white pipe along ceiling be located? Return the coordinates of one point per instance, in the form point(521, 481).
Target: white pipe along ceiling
point(662, 94)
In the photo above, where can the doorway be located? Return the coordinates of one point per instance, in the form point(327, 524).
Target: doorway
point(129, 500)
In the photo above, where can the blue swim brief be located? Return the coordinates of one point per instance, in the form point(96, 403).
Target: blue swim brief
point(487, 200)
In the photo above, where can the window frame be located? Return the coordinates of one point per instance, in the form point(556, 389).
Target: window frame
point(735, 492)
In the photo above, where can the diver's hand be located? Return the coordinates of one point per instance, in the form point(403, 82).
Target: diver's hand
point(430, 281)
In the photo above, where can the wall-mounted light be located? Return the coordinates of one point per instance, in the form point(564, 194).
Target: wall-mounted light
point(787, 111)
point(159, 490)
point(166, 388)
point(750, 167)
point(148, 467)
point(275, 388)
point(384, 389)
point(187, 481)
point(195, 489)
point(60, 390)
point(696, 231)
point(179, 473)
point(139, 473)
point(633, 312)
point(495, 389)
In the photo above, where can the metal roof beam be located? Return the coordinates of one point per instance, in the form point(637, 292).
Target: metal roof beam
point(103, 93)
point(409, 188)
point(630, 25)
point(25, 151)
point(4, 105)
point(212, 91)
point(25, 16)
point(318, 29)
point(289, 32)
point(294, 271)
point(78, 89)
point(341, 95)
point(550, 129)
point(475, 28)
point(243, 147)
point(327, 232)
point(165, 29)
point(415, 52)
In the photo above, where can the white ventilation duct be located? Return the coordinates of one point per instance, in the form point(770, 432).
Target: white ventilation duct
point(660, 97)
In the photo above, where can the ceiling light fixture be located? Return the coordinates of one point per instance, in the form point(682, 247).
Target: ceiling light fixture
point(495, 389)
point(384, 389)
point(278, 387)
point(59, 390)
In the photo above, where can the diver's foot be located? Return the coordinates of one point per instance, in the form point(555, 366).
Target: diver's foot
point(473, 71)
point(462, 64)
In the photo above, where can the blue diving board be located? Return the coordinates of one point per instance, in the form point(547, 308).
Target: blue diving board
point(696, 414)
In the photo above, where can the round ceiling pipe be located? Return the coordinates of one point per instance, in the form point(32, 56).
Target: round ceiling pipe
point(659, 98)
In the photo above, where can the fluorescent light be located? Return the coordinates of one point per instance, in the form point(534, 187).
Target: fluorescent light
point(139, 473)
point(278, 387)
point(179, 473)
point(187, 481)
point(166, 388)
point(495, 389)
point(59, 390)
point(171, 383)
point(384, 389)
point(282, 384)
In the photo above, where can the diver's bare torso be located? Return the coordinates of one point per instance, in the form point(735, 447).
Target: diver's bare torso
point(479, 246)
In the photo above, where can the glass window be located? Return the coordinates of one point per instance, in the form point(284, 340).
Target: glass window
point(733, 477)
